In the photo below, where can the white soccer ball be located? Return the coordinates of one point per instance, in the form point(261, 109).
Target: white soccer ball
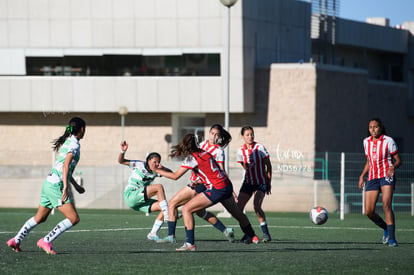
point(318, 215)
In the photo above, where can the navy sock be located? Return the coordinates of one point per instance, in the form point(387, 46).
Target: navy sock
point(219, 225)
point(264, 228)
point(171, 228)
point(391, 231)
point(189, 236)
point(380, 222)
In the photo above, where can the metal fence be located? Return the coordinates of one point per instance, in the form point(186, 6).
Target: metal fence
point(328, 166)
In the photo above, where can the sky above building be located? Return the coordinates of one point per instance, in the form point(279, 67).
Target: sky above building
point(397, 11)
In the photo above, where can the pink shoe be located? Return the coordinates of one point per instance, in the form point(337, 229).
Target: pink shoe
point(15, 246)
point(47, 247)
point(255, 240)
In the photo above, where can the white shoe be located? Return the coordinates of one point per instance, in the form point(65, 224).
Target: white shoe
point(187, 247)
point(153, 237)
point(229, 233)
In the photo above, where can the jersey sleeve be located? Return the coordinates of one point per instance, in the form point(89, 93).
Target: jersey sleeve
point(74, 148)
point(365, 144)
point(393, 147)
point(219, 157)
point(239, 156)
point(263, 151)
point(189, 162)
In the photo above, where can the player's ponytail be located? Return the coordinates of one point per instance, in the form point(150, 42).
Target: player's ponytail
point(187, 146)
point(75, 126)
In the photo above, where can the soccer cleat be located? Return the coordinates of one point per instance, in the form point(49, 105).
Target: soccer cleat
point(249, 240)
point(15, 246)
point(168, 239)
point(47, 247)
point(187, 247)
point(153, 237)
point(392, 243)
point(266, 238)
point(385, 238)
point(244, 238)
point(229, 233)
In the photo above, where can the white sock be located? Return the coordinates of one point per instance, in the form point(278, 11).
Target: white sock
point(28, 225)
point(263, 223)
point(156, 227)
point(58, 230)
point(164, 208)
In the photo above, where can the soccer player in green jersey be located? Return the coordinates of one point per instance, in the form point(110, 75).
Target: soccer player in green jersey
point(54, 192)
point(139, 190)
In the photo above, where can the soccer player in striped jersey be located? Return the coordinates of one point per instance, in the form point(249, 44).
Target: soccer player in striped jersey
point(219, 188)
point(218, 138)
point(138, 192)
point(54, 192)
point(382, 160)
point(255, 161)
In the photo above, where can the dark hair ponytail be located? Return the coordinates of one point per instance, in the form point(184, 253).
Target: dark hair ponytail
point(187, 146)
point(225, 136)
point(75, 126)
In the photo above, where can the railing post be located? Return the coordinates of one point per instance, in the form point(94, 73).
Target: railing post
point(342, 202)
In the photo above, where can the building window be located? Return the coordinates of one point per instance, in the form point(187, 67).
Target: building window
point(125, 65)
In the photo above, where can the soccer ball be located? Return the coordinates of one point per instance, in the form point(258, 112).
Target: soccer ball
point(318, 215)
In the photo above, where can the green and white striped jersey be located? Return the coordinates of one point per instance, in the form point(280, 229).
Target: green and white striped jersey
point(140, 176)
point(71, 145)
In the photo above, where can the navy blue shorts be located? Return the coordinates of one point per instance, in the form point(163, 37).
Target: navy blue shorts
point(251, 188)
point(218, 195)
point(376, 184)
point(199, 188)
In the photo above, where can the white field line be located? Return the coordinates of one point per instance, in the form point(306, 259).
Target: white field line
point(234, 226)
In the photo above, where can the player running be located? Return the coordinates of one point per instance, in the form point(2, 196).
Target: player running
point(219, 188)
point(255, 161)
point(382, 160)
point(218, 139)
point(54, 192)
point(138, 192)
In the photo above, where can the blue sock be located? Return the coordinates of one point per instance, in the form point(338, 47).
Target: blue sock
point(219, 225)
point(391, 231)
point(171, 228)
point(189, 236)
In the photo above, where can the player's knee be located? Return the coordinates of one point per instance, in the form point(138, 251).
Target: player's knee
point(74, 220)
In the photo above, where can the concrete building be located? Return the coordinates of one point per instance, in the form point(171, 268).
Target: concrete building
point(165, 60)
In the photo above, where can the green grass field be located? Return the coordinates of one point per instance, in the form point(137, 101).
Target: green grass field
point(114, 242)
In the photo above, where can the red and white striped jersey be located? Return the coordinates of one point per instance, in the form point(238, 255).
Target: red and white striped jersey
point(253, 159)
point(379, 153)
point(205, 166)
point(215, 150)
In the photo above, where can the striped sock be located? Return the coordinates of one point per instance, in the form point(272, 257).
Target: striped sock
point(58, 230)
point(164, 208)
point(156, 227)
point(26, 228)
